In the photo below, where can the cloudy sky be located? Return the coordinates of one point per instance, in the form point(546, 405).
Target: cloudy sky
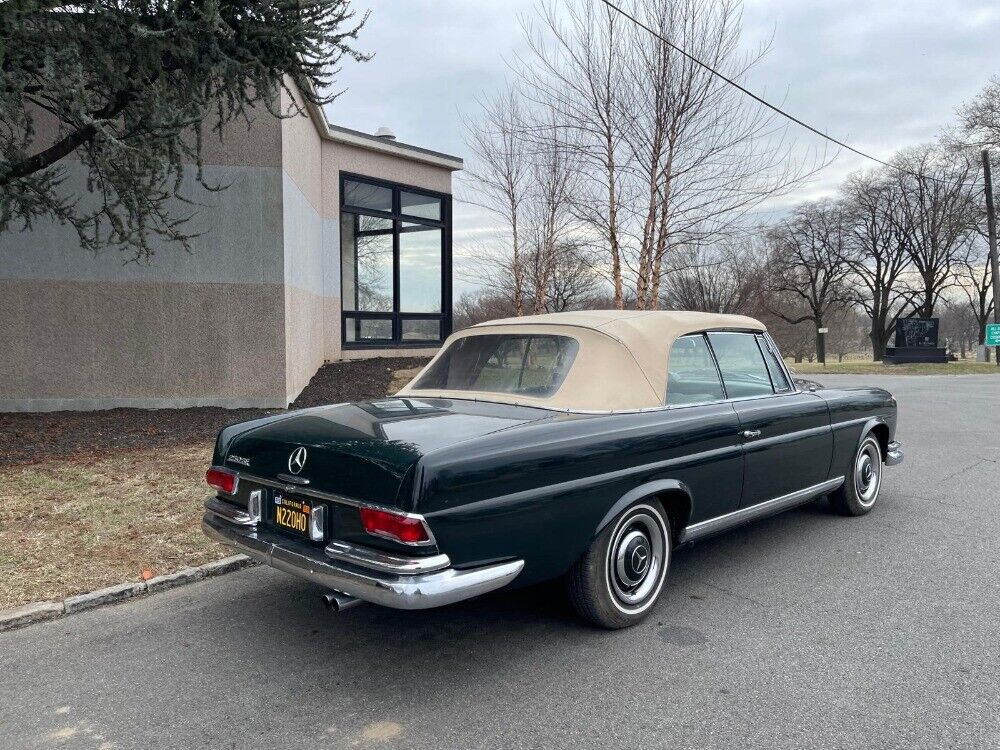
point(879, 74)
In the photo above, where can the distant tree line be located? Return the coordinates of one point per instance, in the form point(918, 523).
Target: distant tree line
point(623, 176)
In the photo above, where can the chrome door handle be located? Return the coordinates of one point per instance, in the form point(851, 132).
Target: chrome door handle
point(750, 434)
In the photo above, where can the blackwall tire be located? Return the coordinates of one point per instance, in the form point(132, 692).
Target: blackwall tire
point(860, 490)
point(618, 580)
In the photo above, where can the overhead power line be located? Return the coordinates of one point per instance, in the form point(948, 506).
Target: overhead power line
point(761, 100)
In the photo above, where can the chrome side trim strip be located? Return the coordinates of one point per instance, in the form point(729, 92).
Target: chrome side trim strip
point(760, 510)
point(230, 513)
point(383, 562)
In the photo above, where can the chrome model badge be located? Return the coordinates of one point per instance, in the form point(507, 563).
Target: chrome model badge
point(239, 460)
point(297, 460)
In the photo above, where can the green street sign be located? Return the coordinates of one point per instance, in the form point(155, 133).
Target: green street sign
point(993, 334)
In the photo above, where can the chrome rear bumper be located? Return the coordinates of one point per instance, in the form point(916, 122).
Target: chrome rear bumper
point(398, 582)
point(893, 454)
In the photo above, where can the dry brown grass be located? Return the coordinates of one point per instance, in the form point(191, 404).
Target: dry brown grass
point(69, 526)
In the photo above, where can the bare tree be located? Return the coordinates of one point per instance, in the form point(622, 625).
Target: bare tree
point(728, 278)
point(937, 216)
point(499, 175)
point(795, 340)
point(669, 155)
point(981, 117)
point(478, 307)
point(577, 65)
point(553, 180)
point(808, 264)
point(958, 326)
point(877, 253)
point(847, 331)
point(573, 284)
point(975, 280)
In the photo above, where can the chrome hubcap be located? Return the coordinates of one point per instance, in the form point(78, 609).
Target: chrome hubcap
point(637, 559)
point(868, 473)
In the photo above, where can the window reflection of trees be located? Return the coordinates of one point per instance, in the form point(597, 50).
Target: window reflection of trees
point(374, 264)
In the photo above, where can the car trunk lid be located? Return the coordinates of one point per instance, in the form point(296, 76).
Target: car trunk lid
point(366, 451)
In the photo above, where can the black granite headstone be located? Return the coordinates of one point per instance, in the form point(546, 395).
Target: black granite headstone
point(916, 341)
point(917, 332)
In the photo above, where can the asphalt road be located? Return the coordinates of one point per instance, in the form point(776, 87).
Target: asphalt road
point(805, 630)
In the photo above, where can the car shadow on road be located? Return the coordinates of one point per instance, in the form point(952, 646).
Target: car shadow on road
point(394, 653)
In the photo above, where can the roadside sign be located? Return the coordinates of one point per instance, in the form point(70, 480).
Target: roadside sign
point(993, 334)
point(822, 330)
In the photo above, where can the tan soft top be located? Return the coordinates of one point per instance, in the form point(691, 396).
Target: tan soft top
point(621, 363)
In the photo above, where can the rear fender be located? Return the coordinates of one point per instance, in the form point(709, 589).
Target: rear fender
point(645, 492)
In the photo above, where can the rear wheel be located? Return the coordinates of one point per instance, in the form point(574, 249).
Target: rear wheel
point(859, 492)
point(618, 580)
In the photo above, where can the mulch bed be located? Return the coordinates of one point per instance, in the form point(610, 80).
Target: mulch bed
point(29, 438)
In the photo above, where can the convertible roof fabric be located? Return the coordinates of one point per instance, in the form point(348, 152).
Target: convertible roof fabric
point(622, 361)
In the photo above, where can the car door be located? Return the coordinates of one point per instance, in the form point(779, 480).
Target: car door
point(707, 428)
point(787, 442)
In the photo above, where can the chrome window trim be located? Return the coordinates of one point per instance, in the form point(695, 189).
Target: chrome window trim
point(781, 363)
point(753, 335)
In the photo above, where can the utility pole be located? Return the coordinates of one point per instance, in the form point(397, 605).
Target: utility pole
point(991, 227)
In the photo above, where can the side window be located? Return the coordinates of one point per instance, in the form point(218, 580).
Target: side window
point(741, 363)
point(692, 377)
point(778, 379)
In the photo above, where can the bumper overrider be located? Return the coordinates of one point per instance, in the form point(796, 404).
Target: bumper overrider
point(893, 454)
point(361, 572)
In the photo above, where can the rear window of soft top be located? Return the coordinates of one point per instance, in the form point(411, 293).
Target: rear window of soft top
point(523, 364)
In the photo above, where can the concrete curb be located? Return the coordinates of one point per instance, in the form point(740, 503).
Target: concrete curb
point(29, 614)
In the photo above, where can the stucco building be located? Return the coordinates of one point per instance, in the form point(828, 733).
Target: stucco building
point(327, 244)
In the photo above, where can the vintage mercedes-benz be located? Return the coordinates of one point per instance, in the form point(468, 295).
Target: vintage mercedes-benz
point(583, 445)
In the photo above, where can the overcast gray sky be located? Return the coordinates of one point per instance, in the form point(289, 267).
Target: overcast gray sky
point(880, 74)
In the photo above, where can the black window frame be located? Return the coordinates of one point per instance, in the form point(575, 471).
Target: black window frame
point(397, 316)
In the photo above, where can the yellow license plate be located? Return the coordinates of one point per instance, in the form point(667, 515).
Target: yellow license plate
point(292, 515)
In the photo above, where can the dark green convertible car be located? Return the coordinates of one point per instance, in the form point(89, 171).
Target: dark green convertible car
point(583, 445)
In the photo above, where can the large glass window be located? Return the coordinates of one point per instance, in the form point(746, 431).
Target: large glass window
point(692, 377)
point(501, 363)
point(366, 267)
point(420, 253)
point(741, 363)
point(395, 264)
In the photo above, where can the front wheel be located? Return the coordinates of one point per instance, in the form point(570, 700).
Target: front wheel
point(619, 578)
point(860, 490)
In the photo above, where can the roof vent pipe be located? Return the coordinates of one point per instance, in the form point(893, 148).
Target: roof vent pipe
point(384, 132)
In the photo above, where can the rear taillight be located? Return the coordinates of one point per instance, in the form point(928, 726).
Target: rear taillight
point(222, 480)
point(407, 529)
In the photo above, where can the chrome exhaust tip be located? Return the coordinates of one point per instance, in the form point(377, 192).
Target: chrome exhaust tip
point(335, 601)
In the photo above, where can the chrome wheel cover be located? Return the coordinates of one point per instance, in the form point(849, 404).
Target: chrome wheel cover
point(868, 473)
point(637, 559)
